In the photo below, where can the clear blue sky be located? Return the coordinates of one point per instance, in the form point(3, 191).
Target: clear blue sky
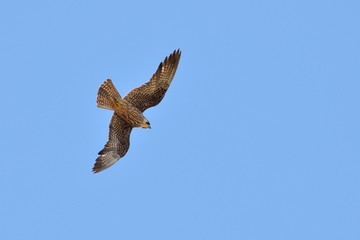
point(257, 138)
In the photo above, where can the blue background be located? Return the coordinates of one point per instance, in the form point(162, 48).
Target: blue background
point(257, 137)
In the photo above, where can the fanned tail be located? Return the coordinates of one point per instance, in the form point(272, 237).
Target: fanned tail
point(107, 91)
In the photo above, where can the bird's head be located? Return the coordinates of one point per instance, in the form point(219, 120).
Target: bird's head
point(145, 124)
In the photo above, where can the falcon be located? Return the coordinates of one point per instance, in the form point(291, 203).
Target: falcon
point(128, 111)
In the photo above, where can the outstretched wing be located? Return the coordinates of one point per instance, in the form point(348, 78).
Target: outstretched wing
point(151, 93)
point(117, 145)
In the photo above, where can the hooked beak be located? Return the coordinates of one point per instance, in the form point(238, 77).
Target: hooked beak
point(147, 125)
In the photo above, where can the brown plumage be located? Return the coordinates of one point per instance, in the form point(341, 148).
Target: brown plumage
point(128, 110)
point(109, 98)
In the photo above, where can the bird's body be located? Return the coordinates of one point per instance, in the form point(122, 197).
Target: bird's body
point(109, 98)
point(128, 111)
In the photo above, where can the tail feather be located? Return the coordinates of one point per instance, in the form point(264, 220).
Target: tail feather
point(106, 92)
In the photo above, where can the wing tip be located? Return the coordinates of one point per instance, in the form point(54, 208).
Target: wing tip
point(176, 54)
point(106, 159)
point(99, 165)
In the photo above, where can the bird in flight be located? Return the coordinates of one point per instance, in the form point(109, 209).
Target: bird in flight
point(128, 111)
